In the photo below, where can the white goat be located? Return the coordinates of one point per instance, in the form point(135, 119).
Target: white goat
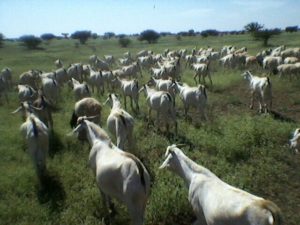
point(129, 88)
point(26, 93)
point(109, 59)
point(162, 103)
point(58, 63)
point(30, 78)
point(295, 141)
point(7, 76)
point(3, 88)
point(75, 71)
point(192, 97)
point(260, 86)
point(132, 70)
point(270, 63)
point(96, 79)
point(80, 90)
point(36, 134)
point(202, 70)
point(50, 89)
point(216, 202)
point(120, 123)
point(119, 174)
point(163, 85)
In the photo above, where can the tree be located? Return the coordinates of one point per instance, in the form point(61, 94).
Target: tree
point(65, 35)
point(265, 35)
point(82, 36)
point(108, 35)
point(253, 27)
point(47, 36)
point(291, 29)
point(30, 41)
point(124, 42)
point(1, 40)
point(150, 36)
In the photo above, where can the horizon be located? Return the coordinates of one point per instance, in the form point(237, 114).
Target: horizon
point(37, 17)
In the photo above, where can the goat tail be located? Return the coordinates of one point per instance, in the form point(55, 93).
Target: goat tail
point(35, 130)
point(141, 169)
point(73, 120)
point(274, 210)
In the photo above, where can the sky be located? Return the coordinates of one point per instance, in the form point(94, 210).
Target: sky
point(20, 17)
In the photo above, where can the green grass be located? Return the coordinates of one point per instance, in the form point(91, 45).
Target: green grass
point(243, 148)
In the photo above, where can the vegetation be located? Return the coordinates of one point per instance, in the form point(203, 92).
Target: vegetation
point(242, 147)
point(30, 41)
point(150, 36)
point(291, 29)
point(1, 40)
point(265, 35)
point(124, 42)
point(82, 36)
point(47, 37)
point(253, 27)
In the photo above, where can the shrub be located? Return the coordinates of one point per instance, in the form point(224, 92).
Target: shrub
point(150, 36)
point(47, 36)
point(291, 29)
point(124, 42)
point(82, 36)
point(108, 35)
point(1, 40)
point(30, 41)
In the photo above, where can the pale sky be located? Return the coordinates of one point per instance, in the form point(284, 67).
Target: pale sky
point(19, 17)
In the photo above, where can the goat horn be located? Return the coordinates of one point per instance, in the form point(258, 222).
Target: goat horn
point(17, 110)
point(91, 117)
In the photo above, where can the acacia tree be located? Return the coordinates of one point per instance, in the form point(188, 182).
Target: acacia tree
point(150, 36)
point(265, 35)
point(253, 27)
point(82, 36)
point(30, 41)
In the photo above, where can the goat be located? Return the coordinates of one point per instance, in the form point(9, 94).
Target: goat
point(119, 174)
point(260, 86)
point(202, 70)
point(80, 90)
point(6, 76)
point(50, 89)
point(119, 122)
point(58, 63)
point(162, 103)
point(30, 78)
point(129, 88)
point(3, 88)
point(216, 202)
point(294, 142)
point(36, 135)
point(163, 85)
point(75, 71)
point(26, 93)
point(132, 70)
point(96, 79)
point(192, 96)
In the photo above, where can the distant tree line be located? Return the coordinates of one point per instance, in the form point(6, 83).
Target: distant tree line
point(151, 36)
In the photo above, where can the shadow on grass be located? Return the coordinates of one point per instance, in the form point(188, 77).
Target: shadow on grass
point(56, 145)
point(281, 117)
point(51, 191)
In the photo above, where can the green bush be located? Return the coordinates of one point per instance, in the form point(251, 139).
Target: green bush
point(30, 41)
point(124, 42)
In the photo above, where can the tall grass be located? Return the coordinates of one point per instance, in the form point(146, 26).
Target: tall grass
point(243, 148)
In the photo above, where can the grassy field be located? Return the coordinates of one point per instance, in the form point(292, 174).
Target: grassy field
point(242, 147)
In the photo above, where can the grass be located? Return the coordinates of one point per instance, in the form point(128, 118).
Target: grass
point(243, 148)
